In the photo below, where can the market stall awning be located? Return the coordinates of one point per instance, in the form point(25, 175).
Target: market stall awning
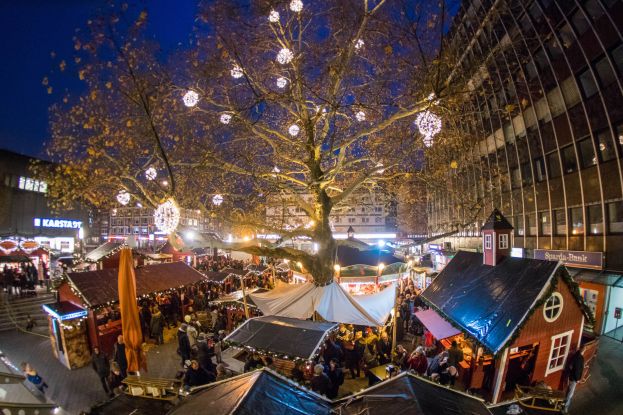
point(101, 251)
point(439, 327)
point(216, 276)
point(261, 392)
point(282, 335)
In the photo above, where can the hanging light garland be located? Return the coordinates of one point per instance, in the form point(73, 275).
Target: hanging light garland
point(217, 200)
point(273, 16)
point(429, 124)
point(167, 216)
point(360, 116)
point(151, 173)
point(296, 6)
point(294, 130)
point(359, 43)
point(225, 118)
point(285, 56)
point(236, 72)
point(282, 82)
point(123, 197)
point(191, 98)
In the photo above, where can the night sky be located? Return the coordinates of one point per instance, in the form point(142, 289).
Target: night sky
point(30, 30)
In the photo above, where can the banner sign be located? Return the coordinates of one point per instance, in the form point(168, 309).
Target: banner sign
point(57, 223)
point(577, 259)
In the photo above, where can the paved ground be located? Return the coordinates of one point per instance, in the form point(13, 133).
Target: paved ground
point(80, 389)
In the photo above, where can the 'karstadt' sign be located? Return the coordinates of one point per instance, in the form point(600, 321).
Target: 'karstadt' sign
point(578, 259)
point(58, 223)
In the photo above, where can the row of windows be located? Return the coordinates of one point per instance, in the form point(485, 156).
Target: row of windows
point(338, 220)
point(25, 183)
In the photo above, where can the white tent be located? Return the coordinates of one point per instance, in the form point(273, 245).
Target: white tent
point(331, 302)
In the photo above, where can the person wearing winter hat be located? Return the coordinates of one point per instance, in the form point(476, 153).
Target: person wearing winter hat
point(183, 343)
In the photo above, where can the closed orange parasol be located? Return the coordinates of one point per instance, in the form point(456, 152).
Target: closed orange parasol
point(130, 323)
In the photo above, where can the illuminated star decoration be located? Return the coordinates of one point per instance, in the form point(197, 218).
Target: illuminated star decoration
point(236, 72)
point(217, 200)
point(151, 173)
point(273, 17)
point(123, 197)
point(296, 6)
point(360, 116)
point(429, 124)
point(225, 118)
point(359, 43)
point(190, 98)
point(282, 82)
point(285, 56)
point(294, 130)
point(167, 216)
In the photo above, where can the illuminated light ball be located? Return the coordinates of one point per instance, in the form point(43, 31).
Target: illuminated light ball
point(123, 197)
point(273, 16)
point(285, 56)
point(428, 141)
point(296, 6)
point(225, 118)
point(360, 116)
point(151, 173)
point(191, 98)
point(282, 82)
point(167, 216)
point(236, 72)
point(454, 164)
point(359, 43)
point(429, 124)
point(294, 130)
point(217, 200)
point(276, 170)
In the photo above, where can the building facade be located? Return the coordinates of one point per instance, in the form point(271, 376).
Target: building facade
point(548, 102)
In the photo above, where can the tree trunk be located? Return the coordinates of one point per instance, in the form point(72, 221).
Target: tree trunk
point(322, 263)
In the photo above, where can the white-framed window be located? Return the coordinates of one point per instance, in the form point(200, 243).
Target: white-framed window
point(553, 307)
point(488, 241)
point(503, 241)
point(351, 220)
point(558, 352)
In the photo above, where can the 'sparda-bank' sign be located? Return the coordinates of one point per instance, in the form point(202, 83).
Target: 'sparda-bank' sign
point(578, 259)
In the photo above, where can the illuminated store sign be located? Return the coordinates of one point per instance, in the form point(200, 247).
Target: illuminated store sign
point(577, 259)
point(58, 223)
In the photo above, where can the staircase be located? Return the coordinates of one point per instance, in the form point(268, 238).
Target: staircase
point(14, 311)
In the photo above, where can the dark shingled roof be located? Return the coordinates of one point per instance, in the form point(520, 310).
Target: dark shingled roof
point(488, 302)
point(408, 394)
point(100, 287)
point(216, 276)
point(496, 221)
point(101, 251)
point(347, 256)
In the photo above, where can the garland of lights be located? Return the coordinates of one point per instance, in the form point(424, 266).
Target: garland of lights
point(191, 98)
point(123, 197)
point(167, 216)
point(429, 124)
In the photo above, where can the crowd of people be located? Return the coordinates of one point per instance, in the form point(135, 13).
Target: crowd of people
point(19, 280)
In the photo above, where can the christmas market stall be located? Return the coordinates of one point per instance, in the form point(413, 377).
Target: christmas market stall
point(284, 339)
point(187, 256)
point(96, 294)
point(15, 253)
point(261, 392)
point(520, 319)
point(106, 256)
point(407, 393)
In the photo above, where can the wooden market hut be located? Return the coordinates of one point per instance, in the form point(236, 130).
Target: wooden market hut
point(187, 256)
point(95, 293)
point(518, 320)
point(106, 256)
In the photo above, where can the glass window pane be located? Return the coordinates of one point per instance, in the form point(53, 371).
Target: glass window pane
point(617, 57)
point(587, 156)
point(546, 223)
point(561, 224)
point(553, 164)
point(588, 84)
point(579, 22)
point(518, 225)
point(604, 72)
point(577, 221)
point(569, 164)
point(595, 220)
point(605, 145)
point(594, 9)
point(539, 169)
point(615, 217)
point(531, 224)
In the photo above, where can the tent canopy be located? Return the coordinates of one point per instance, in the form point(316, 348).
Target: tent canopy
point(261, 392)
point(407, 394)
point(332, 302)
point(283, 335)
point(439, 327)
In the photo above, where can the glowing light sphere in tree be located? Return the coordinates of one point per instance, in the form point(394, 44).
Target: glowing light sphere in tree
point(296, 6)
point(273, 17)
point(217, 200)
point(123, 197)
point(225, 118)
point(191, 98)
point(294, 130)
point(359, 43)
point(285, 56)
point(360, 116)
point(167, 216)
point(151, 173)
point(236, 72)
point(282, 82)
point(429, 124)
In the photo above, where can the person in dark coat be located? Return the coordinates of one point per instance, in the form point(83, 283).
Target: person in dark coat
point(204, 354)
point(320, 383)
point(197, 376)
point(115, 379)
point(100, 364)
point(145, 317)
point(576, 370)
point(384, 349)
point(156, 327)
point(336, 376)
point(354, 355)
point(417, 361)
point(120, 357)
point(183, 344)
point(455, 355)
